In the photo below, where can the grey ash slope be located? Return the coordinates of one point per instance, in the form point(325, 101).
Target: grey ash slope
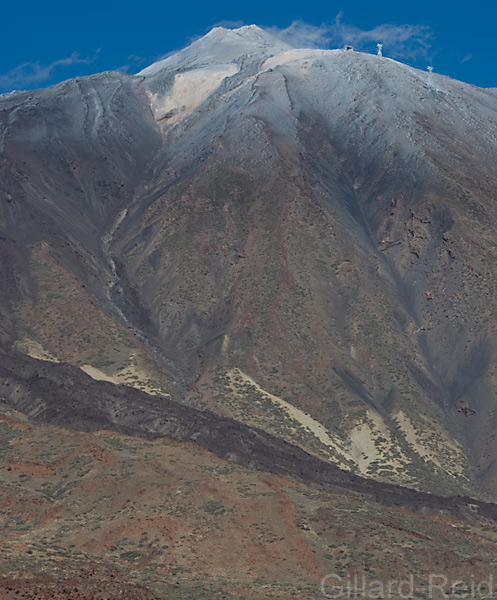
point(280, 234)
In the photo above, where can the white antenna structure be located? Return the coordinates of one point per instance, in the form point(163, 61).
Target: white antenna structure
point(380, 47)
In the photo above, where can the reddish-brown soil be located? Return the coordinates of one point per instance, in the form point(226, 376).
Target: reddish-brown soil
point(103, 516)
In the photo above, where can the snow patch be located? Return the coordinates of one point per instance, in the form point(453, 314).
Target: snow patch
point(304, 54)
point(221, 46)
point(189, 90)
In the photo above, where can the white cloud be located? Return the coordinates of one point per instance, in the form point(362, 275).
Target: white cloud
point(399, 41)
point(134, 64)
point(303, 35)
point(228, 24)
point(29, 73)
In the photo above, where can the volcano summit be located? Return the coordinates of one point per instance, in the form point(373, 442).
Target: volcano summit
point(302, 241)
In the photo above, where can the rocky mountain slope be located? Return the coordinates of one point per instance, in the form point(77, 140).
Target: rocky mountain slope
point(106, 515)
point(301, 241)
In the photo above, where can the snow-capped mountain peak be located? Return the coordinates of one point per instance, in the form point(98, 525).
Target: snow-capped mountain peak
point(222, 46)
point(320, 222)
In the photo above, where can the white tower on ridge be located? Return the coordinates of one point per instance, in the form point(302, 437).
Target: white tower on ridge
point(379, 46)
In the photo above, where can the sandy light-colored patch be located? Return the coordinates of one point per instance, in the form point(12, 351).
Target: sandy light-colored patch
point(98, 374)
point(131, 375)
point(362, 442)
point(34, 349)
point(420, 445)
point(371, 443)
point(304, 419)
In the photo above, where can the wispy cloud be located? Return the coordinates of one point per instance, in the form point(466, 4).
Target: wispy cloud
point(400, 41)
point(229, 24)
point(134, 63)
point(33, 73)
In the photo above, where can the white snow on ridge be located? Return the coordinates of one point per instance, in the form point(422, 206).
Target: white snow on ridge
point(362, 92)
point(297, 54)
point(189, 90)
point(221, 46)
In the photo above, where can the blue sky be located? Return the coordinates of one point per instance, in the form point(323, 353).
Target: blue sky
point(44, 43)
